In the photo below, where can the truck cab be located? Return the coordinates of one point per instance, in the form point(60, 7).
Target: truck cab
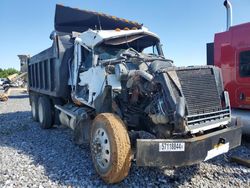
point(96, 49)
point(232, 55)
point(231, 52)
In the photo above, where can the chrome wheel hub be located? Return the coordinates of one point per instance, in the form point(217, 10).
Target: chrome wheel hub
point(101, 148)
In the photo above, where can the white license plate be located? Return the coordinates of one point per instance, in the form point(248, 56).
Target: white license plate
point(174, 146)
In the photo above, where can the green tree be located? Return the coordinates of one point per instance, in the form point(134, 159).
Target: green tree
point(6, 72)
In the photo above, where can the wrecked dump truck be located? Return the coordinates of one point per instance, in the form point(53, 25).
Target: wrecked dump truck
point(108, 80)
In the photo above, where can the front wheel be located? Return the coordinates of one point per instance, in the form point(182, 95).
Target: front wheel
point(110, 147)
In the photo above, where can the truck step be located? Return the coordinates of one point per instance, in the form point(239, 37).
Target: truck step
point(241, 161)
point(66, 111)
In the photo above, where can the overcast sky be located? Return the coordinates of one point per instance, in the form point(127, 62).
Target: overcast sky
point(183, 26)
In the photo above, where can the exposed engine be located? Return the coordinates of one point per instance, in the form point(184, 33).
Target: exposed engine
point(141, 98)
point(150, 94)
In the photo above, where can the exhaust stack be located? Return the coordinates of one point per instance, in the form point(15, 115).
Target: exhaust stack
point(228, 6)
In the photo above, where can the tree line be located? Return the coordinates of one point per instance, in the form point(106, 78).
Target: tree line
point(6, 72)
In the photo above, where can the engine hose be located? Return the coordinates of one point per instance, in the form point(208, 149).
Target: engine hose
point(141, 73)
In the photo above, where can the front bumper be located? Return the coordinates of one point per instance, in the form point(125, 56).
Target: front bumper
point(195, 149)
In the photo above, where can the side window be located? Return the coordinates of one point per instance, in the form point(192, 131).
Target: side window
point(245, 64)
point(86, 58)
point(84, 54)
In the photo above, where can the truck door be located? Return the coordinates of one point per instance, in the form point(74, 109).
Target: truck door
point(242, 90)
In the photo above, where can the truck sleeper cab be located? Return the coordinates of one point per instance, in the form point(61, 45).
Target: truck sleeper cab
point(231, 52)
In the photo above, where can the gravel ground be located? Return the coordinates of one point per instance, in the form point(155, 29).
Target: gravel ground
point(32, 157)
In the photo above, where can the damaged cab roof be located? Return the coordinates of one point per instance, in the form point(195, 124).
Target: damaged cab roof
point(92, 38)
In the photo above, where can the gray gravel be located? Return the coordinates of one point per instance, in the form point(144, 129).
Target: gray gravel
point(32, 157)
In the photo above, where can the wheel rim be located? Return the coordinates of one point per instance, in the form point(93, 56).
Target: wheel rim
point(101, 148)
point(33, 109)
point(40, 112)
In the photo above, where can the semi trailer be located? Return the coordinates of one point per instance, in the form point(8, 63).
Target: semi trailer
point(108, 80)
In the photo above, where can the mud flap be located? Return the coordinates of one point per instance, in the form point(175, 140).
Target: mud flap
point(81, 133)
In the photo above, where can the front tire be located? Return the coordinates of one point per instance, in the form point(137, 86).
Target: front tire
point(110, 147)
point(45, 113)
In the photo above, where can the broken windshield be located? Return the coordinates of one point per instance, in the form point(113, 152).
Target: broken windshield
point(141, 43)
point(108, 52)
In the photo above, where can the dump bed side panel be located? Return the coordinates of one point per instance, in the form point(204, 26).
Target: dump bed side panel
point(48, 71)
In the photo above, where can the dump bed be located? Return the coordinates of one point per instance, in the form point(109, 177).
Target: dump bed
point(49, 70)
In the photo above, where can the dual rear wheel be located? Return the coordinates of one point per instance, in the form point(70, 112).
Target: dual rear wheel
point(41, 109)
